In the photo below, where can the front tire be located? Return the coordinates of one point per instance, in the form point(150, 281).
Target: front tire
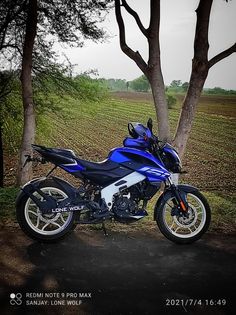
point(180, 229)
point(44, 227)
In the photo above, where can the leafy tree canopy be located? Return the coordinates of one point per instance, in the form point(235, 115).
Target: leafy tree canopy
point(69, 22)
point(176, 83)
point(140, 84)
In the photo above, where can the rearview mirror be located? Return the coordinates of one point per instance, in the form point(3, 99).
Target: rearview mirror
point(149, 124)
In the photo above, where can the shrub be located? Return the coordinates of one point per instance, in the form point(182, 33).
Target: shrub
point(171, 100)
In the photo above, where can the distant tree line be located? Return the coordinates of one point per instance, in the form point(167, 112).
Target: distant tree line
point(177, 86)
point(141, 84)
point(219, 90)
point(115, 84)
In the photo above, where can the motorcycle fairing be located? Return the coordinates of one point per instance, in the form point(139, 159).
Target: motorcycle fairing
point(109, 191)
point(154, 174)
point(140, 161)
point(138, 143)
point(105, 177)
point(124, 154)
point(171, 158)
point(120, 162)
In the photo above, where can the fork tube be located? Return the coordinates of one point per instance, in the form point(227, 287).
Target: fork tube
point(181, 203)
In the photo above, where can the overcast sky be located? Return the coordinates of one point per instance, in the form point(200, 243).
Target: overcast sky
point(178, 20)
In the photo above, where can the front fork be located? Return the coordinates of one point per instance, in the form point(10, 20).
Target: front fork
point(180, 200)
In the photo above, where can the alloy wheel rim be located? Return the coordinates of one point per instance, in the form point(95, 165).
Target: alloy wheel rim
point(47, 224)
point(186, 228)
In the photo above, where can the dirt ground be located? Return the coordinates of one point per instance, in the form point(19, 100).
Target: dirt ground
point(124, 273)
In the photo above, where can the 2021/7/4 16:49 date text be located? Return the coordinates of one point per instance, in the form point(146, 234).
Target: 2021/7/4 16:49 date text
point(195, 302)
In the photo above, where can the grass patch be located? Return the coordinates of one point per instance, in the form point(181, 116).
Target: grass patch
point(223, 212)
point(7, 204)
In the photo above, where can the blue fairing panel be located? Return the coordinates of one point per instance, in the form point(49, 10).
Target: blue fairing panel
point(116, 155)
point(154, 174)
point(138, 143)
point(124, 154)
point(140, 161)
point(173, 152)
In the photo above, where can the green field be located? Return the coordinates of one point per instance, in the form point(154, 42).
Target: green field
point(92, 129)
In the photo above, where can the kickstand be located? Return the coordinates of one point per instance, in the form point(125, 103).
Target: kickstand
point(104, 229)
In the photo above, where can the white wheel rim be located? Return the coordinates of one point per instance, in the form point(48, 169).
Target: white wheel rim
point(49, 224)
point(186, 228)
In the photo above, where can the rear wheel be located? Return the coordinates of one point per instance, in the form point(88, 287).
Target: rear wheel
point(184, 229)
point(44, 227)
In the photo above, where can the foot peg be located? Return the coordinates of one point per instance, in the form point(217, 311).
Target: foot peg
point(102, 215)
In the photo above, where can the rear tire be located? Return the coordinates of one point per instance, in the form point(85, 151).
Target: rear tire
point(182, 230)
point(44, 227)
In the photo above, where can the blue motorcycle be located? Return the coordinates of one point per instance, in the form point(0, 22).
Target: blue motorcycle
point(117, 188)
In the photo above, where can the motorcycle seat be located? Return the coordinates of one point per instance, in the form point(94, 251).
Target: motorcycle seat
point(65, 156)
point(106, 165)
point(65, 152)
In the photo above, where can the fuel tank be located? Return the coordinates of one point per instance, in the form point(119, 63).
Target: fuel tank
point(141, 161)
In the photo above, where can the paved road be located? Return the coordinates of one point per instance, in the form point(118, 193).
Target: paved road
point(125, 273)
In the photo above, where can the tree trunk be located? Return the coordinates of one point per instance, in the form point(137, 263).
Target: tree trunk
point(25, 173)
point(200, 67)
point(158, 92)
point(1, 158)
point(155, 72)
point(197, 80)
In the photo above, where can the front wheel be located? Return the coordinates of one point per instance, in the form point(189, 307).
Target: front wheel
point(183, 229)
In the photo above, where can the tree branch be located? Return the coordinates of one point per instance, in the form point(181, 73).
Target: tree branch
point(10, 16)
point(154, 23)
point(2, 38)
point(135, 16)
point(201, 44)
point(12, 46)
point(153, 33)
point(124, 47)
point(222, 55)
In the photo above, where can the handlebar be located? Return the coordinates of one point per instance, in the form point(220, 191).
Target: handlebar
point(155, 146)
point(138, 130)
point(154, 140)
